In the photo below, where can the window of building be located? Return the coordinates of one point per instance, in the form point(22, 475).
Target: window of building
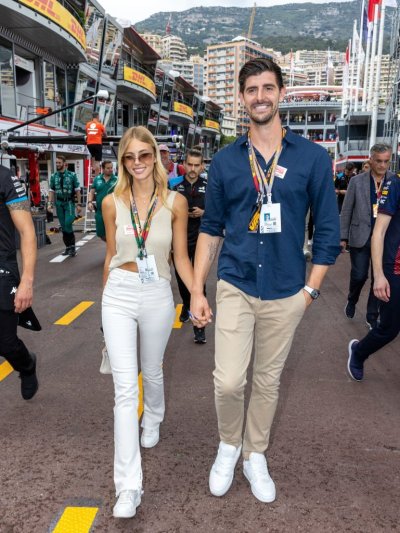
point(7, 81)
point(27, 81)
point(112, 49)
point(94, 34)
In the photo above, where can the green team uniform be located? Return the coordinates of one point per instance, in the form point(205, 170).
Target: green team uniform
point(64, 185)
point(102, 188)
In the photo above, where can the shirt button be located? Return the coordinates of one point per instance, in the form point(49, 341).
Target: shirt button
point(260, 266)
point(261, 242)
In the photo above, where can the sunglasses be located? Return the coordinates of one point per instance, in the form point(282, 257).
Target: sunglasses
point(146, 158)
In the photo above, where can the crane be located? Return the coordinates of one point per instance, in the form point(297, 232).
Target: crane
point(251, 23)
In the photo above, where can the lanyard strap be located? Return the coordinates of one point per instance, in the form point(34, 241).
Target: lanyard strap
point(141, 234)
point(378, 190)
point(264, 181)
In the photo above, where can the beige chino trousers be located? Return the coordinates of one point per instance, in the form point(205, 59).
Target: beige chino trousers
point(242, 321)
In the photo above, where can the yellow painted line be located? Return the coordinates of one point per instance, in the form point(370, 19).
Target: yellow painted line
point(177, 323)
point(140, 407)
point(5, 370)
point(73, 314)
point(76, 520)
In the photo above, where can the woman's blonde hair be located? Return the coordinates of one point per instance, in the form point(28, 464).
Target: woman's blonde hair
point(125, 180)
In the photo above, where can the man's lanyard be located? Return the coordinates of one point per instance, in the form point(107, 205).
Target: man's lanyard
point(378, 188)
point(263, 182)
point(142, 234)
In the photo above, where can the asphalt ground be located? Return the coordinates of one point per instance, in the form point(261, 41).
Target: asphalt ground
point(335, 447)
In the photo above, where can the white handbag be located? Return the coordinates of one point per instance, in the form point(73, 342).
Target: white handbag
point(105, 367)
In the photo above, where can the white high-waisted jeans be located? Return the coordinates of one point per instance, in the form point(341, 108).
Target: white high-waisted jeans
point(128, 304)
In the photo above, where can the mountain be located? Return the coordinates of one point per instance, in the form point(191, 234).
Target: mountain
point(291, 26)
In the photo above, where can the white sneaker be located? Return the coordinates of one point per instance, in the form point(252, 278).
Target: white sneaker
point(221, 475)
point(127, 503)
point(261, 483)
point(150, 437)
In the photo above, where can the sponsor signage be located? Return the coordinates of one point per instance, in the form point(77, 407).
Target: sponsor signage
point(182, 108)
point(212, 124)
point(57, 13)
point(133, 76)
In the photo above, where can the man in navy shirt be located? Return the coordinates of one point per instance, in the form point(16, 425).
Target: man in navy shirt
point(16, 292)
point(259, 191)
point(386, 263)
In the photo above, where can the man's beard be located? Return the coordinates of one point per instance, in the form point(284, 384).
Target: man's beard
point(264, 120)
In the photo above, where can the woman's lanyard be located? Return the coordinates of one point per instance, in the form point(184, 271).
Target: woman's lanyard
point(263, 182)
point(141, 234)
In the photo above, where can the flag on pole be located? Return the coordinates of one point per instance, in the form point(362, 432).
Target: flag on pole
point(365, 26)
point(371, 9)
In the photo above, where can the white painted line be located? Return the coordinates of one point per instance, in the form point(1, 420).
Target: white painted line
point(88, 237)
point(59, 259)
point(80, 243)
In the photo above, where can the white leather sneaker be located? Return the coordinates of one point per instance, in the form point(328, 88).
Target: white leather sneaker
point(261, 483)
point(127, 503)
point(221, 475)
point(150, 437)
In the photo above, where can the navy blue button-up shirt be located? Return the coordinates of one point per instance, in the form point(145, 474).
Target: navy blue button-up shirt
point(272, 266)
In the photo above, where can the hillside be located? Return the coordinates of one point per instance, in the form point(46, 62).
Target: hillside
point(298, 26)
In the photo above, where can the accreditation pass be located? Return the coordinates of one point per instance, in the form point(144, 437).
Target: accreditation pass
point(147, 269)
point(270, 218)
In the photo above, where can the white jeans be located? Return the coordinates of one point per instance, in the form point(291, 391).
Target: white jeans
point(128, 303)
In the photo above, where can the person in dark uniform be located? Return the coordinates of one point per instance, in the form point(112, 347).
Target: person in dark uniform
point(102, 185)
point(193, 188)
point(16, 292)
point(64, 185)
point(342, 182)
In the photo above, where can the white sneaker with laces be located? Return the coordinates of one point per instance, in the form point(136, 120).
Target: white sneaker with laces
point(221, 475)
point(150, 437)
point(127, 503)
point(261, 483)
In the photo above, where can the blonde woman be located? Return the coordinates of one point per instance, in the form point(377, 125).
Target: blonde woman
point(143, 221)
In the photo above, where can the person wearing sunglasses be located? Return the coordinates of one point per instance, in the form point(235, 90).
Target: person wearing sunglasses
point(143, 221)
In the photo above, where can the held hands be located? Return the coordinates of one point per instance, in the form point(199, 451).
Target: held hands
point(201, 313)
point(196, 212)
point(382, 288)
point(23, 296)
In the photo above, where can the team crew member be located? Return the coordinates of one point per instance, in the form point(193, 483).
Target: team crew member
point(386, 263)
point(356, 225)
point(193, 188)
point(143, 220)
point(64, 185)
point(102, 185)
point(16, 292)
point(259, 191)
point(95, 132)
point(175, 171)
point(342, 182)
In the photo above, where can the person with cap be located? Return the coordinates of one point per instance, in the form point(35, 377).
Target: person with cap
point(64, 185)
point(102, 185)
point(175, 171)
point(95, 132)
point(16, 292)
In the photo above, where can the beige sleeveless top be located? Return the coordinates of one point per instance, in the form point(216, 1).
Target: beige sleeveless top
point(158, 242)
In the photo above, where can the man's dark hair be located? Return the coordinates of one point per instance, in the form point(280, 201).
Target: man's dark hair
point(104, 163)
point(350, 166)
point(62, 157)
point(380, 148)
point(95, 114)
point(257, 66)
point(193, 152)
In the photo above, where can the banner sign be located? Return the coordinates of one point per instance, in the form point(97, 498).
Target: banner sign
point(184, 109)
point(212, 124)
point(133, 76)
point(62, 17)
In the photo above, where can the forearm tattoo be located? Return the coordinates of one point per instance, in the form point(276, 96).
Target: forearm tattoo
point(212, 251)
point(20, 206)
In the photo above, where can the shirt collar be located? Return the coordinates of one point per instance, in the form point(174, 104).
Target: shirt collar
point(290, 137)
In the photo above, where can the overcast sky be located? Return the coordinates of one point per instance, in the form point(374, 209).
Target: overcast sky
point(142, 9)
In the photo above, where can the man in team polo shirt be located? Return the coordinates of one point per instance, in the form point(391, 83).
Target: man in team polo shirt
point(95, 132)
point(102, 185)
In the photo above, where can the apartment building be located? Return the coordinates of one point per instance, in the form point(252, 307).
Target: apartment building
point(223, 62)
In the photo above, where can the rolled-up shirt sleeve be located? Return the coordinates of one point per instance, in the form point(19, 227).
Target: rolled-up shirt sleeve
point(213, 219)
point(326, 238)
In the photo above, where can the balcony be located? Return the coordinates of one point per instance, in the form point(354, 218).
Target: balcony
point(180, 112)
point(134, 86)
point(48, 25)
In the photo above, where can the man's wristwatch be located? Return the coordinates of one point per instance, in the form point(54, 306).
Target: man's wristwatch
point(314, 293)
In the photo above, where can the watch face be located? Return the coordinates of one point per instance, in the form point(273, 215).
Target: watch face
point(314, 294)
